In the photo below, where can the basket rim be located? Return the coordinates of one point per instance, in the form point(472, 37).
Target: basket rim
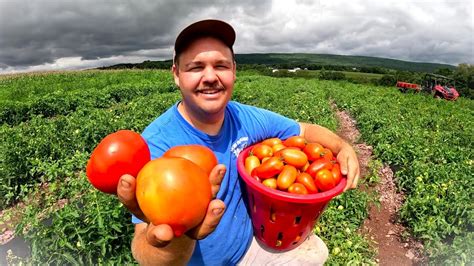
point(282, 195)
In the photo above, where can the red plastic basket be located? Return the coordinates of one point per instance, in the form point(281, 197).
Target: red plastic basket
point(281, 220)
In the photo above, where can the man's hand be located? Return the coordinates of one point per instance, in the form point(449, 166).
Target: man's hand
point(347, 158)
point(161, 235)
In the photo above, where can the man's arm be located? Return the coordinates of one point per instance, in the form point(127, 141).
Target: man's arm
point(147, 251)
point(344, 152)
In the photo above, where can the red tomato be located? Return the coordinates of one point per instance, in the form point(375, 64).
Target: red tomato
point(327, 153)
point(164, 187)
point(297, 188)
point(271, 142)
point(122, 152)
point(286, 177)
point(270, 182)
point(336, 173)
point(250, 163)
point(313, 150)
point(324, 180)
point(295, 141)
point(269, 168)
point(262, 151)
point(317, 165)
point(306, 180)
point(198, 154)
point(294, 157)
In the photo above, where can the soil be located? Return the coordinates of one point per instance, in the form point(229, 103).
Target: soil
point(389, 237)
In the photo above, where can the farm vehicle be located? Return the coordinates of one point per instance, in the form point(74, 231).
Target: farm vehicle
point(437, 85)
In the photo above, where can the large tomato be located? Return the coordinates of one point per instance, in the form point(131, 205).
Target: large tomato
point(198, 154)
point(119, 153)
point(174, 191)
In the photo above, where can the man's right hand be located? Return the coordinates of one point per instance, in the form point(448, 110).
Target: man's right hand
point(161, 235)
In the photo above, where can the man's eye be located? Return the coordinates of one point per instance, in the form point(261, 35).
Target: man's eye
point(222, 67)
point(195, 68)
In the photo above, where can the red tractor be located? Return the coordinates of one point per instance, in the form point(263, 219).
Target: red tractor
point(440, 86)
point(437, 85)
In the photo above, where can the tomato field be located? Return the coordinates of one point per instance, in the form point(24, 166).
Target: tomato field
point(52, 122)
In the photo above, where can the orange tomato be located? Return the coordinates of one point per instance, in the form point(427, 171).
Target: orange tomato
point(278, 147)
point(297, 188)
point(313, 150)
point(306, 180)
point(327, 153)
point(261, 151)
point(324, 180)
point(163, 190)
point(270, 182)
point(294, 157)
point(271, 142)
point(286, 177)
point(295, 141)
point(251, 162)
point(336, 173)
point(198, 154)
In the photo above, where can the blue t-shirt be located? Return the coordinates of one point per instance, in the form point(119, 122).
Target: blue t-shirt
point(243, 125)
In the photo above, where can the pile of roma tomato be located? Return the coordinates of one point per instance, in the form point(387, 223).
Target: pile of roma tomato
point(293, 165)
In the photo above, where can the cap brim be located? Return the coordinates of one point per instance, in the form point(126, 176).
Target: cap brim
point(209, 27)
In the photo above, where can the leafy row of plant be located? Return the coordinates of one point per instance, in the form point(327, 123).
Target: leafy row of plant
point(429, 144)
point(88, 229)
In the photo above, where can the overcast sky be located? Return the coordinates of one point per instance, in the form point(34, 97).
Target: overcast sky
point(61, 34)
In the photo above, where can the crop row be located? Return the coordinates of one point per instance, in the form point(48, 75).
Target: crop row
point(429, 144)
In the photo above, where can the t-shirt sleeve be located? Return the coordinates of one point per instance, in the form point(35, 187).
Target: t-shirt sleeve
point(264, 124)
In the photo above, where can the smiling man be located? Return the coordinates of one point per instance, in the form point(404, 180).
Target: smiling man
point(204, 69)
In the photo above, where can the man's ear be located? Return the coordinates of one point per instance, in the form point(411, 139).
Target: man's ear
point(235, 70)
point(175, 70)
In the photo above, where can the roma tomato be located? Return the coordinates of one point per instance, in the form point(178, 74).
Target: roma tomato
point(327, 153)
point(270, 182)
point(313, 150)
point(317, 165)
point(251, 162)
point(271, 142)
point(262, 151)
point(308, 181)
point(324, 180)
point(198, 154)
point(173, 191)
point(278, 147)
point(122, 152)
point(269, 168)
point(295, 141)
point(294, 157)
point(297, 188)
point(286, 177)
point(336, 173)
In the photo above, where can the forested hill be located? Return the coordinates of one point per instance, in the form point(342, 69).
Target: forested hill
point(311, 61)
point(337, 60)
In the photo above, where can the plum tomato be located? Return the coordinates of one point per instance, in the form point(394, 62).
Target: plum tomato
point(286, 177)
point(295, 141)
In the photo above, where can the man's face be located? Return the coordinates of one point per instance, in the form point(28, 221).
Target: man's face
point(205, 75)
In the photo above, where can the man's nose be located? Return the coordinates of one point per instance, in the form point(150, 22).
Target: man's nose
point(209, 75)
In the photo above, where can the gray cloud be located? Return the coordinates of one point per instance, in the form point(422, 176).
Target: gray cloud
point(47, 32)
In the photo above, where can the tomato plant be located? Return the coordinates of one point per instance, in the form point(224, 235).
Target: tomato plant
point(163, 191)
point(119, 153)
point(198, 154)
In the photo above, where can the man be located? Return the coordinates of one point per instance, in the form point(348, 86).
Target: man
point(205, 71)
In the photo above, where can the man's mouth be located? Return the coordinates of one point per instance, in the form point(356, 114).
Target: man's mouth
point(210, 90)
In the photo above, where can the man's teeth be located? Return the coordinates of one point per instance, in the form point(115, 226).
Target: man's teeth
point(209, 91)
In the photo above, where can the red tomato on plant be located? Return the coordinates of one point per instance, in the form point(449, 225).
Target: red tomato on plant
point(286, 177)
point(198, 154)
point(268, 168)
point(295, 141)
point(164, 187)
point(324, 180)
point(119, 153)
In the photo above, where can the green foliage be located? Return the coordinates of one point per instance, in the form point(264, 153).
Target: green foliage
point(331, 75)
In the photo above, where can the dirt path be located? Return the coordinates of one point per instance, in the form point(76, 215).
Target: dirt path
point(381, 225)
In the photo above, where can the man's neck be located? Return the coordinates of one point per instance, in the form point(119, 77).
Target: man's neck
point(210, 124)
